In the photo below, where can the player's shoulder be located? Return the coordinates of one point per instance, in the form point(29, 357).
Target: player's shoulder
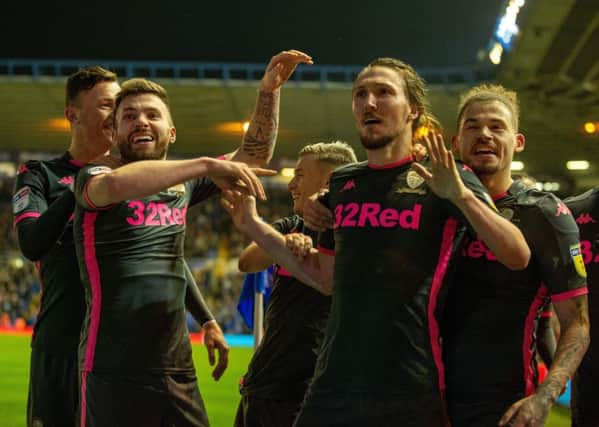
point(350, 170)
point(546, 205)
point(590, 196)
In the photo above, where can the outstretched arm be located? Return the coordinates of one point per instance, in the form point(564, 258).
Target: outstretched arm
point(144, 178)
point(314, 270)
point(501, 236)
point(258, 143)
point(573, 343)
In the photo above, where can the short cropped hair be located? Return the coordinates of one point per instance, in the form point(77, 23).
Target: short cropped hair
point(335, 153)
point(490, 93)
point(138, 86)
point(85, 79)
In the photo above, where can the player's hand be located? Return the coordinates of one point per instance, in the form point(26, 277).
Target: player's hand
point(241, 207)
point(281, 67)
point(443, 177)
point(317, 216)
point(299, 243)
point(418, 151)
point(229, 175)
point(215, 340)
point(532, 411)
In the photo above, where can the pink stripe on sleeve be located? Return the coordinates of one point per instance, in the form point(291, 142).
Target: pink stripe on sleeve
point(569, 294)
point(25, 215)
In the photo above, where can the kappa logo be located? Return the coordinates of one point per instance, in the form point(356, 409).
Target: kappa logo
point(22, 169)
point(585, 218)
point(66, 180)
point(467, 168)
point(562, 209)
point(349, 185)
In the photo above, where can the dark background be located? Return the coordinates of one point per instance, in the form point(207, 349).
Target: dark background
point(425, 33)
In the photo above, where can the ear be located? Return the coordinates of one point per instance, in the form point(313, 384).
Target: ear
point(70, 113)
point(414, 113)
point(172, 135)
point(455, 144)
point(520, 143)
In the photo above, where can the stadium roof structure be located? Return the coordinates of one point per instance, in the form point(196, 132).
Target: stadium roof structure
point(552, 63)
point(554, 66)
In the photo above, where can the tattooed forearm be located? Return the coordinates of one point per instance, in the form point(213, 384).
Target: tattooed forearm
point(571, 347)
point(260, 138)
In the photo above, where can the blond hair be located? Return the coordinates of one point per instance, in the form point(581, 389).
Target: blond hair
point(489, 93)
point(335, 153)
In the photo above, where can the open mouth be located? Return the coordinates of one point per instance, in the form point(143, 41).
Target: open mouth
point(369, 121)
point(142, 139)
point(485, 152)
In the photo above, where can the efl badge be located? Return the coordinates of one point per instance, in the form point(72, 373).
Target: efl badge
point(578, 260)
point(21, 199)
point(414, 180)
point(97, 170)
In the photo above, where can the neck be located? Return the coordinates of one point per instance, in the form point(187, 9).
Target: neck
point(80, 151)
point(496, 184)
point(398, 150)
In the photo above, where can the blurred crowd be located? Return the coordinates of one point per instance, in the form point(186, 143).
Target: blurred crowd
point(212, 248)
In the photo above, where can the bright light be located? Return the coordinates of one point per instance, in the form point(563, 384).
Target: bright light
point(231, 128)
point(421, 132)
point(288, 172)
point(495, 53)
point(517, 166)
point(507, 28)
point(551, 186)
point(245, 126)
point(58, 125)
point(590, 127)
point(577, 165)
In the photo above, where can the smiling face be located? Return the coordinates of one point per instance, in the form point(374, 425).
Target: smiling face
point(90, 115)
point(381, 107)
point(143, 127)
point(310, 177)
point(487, 138)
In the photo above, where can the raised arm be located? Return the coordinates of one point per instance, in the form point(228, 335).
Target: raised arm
point(502, 237)
point(314, 270)
point(258, 143)
point(572, 344)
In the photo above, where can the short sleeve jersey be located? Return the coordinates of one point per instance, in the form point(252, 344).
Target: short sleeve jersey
point(585, 210)
point(62, 306)
point(492, 312)
point(131, 261)
point(395, 243)
point(295, 319)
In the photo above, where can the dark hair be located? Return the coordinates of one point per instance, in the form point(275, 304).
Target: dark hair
point(140, 86)
point(85, 79)
point(415, 87)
